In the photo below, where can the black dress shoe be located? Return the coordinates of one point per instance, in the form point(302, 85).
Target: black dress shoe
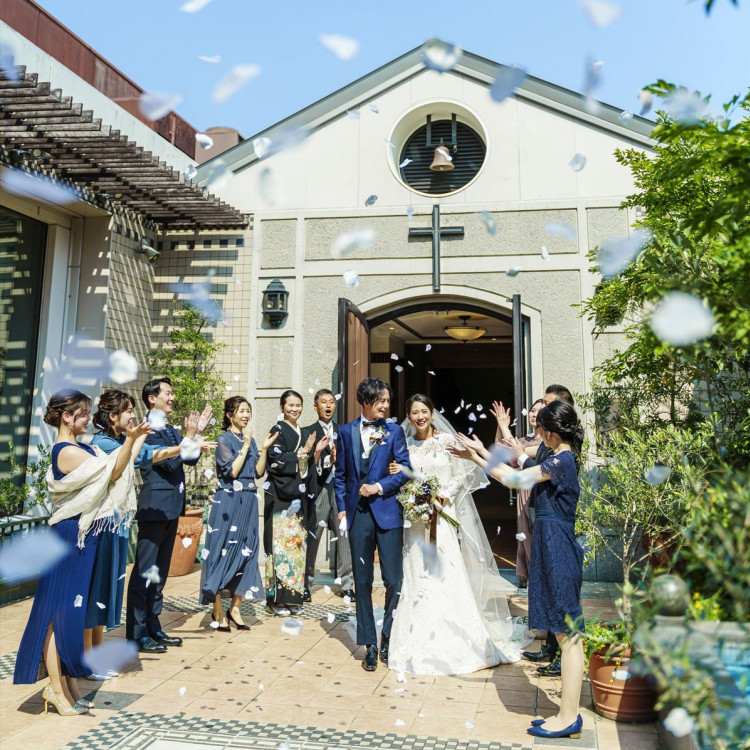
point(167, 640)
point(349, 593)
point(307, 597)
point(148, 645)
point(546, 653)
point(384, 642)
point(370, 662)
point(551, 670)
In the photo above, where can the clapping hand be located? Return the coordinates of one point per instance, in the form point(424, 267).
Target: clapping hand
point(309, 443)
point(501, 414)
point(205, 418)
point(270, 440)
point(247, 436)
point(190, 424)
point(205, 445)
point(134, 431)
point(323, 443)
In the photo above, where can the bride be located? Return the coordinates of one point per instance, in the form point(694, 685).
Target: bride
point(452, 616)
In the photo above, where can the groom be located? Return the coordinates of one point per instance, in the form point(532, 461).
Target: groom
point(366, 498)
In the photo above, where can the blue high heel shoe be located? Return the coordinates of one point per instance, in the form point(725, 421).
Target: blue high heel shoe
point(573, 731)
point(537, 722)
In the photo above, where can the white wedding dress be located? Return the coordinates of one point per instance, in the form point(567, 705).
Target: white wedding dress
point(452, 616)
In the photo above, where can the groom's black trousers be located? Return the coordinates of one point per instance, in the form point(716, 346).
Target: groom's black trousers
point(364, 536)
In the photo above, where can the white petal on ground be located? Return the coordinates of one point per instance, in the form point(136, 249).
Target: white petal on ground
point(290, 626)
point(158, 104)
point(560, 229)
point(189, 449)
point(657, 474)
point(261, 146)
point(489, 222)
point(348, 241)
point(351, 278)
point(625, 117)
point(399, 723)
point(507, 80)
point(331, 618)
point(440, 56)
point(577, 163)
point(210, 58)
point(237, 77)
point(113, 654)
point(469, 724)
point(679, 722)
point(181, 692)
point(193, 6)
point(20, 183)
point(405, 163)
point(401, 677)
point(327, 590)
point(28, 556)
point(204, 141)
point(513, 272)
point(681, 319)
point(344, 47)
point(616, 254)
point(123, 367)
point(187, 541)
point(601, 13)
point(645, 99)
point(370, 200)
point(260, 687)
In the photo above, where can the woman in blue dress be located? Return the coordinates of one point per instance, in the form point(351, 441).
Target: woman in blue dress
point(556, 557)
point(113, 418)
point(230, 558)
point(79, 481)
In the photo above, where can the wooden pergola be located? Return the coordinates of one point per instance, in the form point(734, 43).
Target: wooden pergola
point(44, 131)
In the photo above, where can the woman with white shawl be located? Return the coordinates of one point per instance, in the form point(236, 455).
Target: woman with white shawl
point(85, 485)
point(452, 616)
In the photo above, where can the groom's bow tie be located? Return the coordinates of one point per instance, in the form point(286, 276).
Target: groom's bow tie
point(370, 424)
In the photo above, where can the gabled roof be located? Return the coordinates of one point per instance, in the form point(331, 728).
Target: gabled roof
point(407, 66)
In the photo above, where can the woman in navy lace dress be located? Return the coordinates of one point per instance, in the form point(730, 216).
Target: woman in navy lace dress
point(556, 556)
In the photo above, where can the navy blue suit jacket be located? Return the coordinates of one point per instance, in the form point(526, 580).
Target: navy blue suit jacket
point(162, 496)
point(385, 508)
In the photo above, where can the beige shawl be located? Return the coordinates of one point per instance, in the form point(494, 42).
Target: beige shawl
point(90, 492)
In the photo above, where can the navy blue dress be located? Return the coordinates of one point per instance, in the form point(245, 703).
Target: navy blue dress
point(232, 536)
point(108, 577)
point(57, 600)
point(556, 557)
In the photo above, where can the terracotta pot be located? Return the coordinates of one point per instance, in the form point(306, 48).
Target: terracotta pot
point(618, 693)
point(189, 526)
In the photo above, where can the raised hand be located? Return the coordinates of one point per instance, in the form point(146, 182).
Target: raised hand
point(501, 414)
point(247, 436)
point(332, 455)
point(205, 445)
point(205, 417)
point(270, 440)
point(308, 446)
point(515, 445)
point(139, 430)
point(472, 442)
point(323, 443)
point(191, 424)
point(460, 451)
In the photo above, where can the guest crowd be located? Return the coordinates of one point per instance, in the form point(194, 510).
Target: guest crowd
point(93, 493)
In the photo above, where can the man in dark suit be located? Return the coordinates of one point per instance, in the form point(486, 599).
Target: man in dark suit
point(325, 511)
point(366, 498)
point(161, 502)
point(550, 651)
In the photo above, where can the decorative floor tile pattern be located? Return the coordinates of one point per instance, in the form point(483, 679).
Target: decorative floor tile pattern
point(7, 665)
point(133, 731)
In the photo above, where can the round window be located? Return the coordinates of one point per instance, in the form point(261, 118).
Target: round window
point(467, 158)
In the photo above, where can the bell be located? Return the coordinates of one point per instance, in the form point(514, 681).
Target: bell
point(442, 161)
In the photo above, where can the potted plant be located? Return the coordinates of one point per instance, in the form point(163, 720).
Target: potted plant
point(188, 360)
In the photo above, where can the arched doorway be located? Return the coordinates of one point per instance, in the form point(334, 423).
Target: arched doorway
point(462, 352)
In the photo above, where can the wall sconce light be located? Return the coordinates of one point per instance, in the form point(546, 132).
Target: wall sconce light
point(150, 253)
point(275, 303)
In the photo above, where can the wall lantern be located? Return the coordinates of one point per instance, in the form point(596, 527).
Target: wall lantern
point(275, 303)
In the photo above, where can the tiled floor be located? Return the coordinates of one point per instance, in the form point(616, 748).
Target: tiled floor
point(265, 689)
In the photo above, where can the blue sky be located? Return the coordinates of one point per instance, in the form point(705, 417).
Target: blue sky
point(157, 45)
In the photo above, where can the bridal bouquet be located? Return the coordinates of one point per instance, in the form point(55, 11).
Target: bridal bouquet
point(419, 499)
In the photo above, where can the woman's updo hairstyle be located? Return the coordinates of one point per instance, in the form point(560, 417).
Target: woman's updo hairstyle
point(65, 401)
point(561, 418)
point(230, 409)
point(111, 402)
point(288, 394)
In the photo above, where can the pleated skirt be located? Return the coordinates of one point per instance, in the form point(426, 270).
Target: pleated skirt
point(232, 541)
point(107, 581)
point(56, 601)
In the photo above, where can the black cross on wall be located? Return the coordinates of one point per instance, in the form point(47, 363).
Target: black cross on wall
point(436, 232)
